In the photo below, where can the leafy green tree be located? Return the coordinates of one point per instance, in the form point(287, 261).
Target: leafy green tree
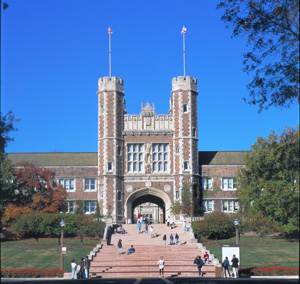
point(272, 31)
point(214, 225)
point(269, 184)
point(79, 208)
point(30, 225)
point(263, 226)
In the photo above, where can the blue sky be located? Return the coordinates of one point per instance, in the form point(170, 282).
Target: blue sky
point(53, 53)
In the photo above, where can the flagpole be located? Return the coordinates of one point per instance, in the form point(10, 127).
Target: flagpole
point(109, 55)
point(184, 55)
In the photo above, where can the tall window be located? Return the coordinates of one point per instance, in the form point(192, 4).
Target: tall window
point(160, 157)
point(109, 166)
point(207, 183)
point(229, 183)
point(90, 184)
point(230, 206)
point(208, 205)
point(186, 165)
point(68, 184)
point(185, 108)
point(101, 191)
point(90, 207)
point(71, 206)
point(135, 158)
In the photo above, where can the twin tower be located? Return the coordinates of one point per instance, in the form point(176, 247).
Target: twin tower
point(147, 157)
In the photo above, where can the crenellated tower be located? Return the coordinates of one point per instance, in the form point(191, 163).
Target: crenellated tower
point(111, 106)
point(185, 138)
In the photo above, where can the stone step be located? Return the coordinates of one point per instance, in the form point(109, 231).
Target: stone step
point(150, 268)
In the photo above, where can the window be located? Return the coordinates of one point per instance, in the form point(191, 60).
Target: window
point(109, 166)
point(207, 183)
point(177, 150)
point(208, 205)
point(177, 194)
point(90, 184)
point(101, 109)
point(185, 108)
point(229, 183)
point(194, 132)
point(68, 184)
point(119, 196)
point(101, 191)
point(71, 206)
point(230, 206)
point(160, 157)
point(90, 207)
point(119, 149)
point(185, 165)
point(135, 158)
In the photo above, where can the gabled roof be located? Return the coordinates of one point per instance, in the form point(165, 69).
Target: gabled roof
point(56, 159)
point(222, 157)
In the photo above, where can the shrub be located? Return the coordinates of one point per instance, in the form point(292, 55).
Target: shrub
point(31, 273)
point(268, 271)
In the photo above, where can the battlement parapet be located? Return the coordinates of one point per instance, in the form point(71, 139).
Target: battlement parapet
point(182, 83)
point(110, 84)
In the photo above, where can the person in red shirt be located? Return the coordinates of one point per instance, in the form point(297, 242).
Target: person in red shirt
point(206, 257)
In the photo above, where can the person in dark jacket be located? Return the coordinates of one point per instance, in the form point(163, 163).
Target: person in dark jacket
point(199, 262)
point(120, 247)
point(226, 267)
point(87, 267)
point(130, 250)
point(81, 271)
point(235, 266)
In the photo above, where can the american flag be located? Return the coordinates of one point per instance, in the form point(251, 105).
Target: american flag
point(183, 31)
point(110, 31)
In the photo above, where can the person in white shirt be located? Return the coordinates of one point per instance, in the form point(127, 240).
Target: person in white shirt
point(152, 231)
point(161, 265)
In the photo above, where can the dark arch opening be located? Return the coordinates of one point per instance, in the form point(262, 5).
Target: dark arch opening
point(150, 199)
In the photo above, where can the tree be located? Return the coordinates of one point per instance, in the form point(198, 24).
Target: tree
point(184, 205)
point(269, 184)
point(29, 225)
point(272, 30)
point(35, 190)
point(6, 127)
point(215, 225)
point(263, 226)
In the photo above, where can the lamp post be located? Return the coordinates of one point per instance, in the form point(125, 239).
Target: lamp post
point(62, 224)
point(236, 224)
point(188, 209)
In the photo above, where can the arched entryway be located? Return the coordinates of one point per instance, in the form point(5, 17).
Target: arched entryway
point(157, 199)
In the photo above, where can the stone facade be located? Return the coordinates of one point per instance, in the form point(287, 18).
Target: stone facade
point(144, 158)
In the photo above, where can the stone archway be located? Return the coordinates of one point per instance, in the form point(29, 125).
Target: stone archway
point(147, 195)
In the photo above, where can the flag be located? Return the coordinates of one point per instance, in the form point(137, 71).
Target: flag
point(183, 30)
point(110, 31)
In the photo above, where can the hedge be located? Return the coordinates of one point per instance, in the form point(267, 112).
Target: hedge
point(31, 273)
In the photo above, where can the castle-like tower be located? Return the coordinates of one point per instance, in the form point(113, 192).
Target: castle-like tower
point(145, 157)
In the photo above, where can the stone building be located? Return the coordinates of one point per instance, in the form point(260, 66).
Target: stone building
point(144, 159)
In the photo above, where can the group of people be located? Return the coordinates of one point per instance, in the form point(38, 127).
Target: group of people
point(235, 266)
point(84, 268)
point(120, 248)
point(176, 237)
point(146, 228)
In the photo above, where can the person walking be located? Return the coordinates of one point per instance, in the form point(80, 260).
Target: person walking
point(199, 262)
point(152, 231)
point(139, 226)
point(81, 271)
point(146, 229)
point(73, 267)
point(176, 239)
point(235, 266)
point(120, 247)
point(171, 239)
point(226, 267)
point(165, 239)
point(168, 221)
point(184, 227)
point(161, 265)
point(87, 267)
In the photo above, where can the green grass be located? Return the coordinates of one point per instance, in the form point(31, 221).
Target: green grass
point(273, 252)
point(25, 254)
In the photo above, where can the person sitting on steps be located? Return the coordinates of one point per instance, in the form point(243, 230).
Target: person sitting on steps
point(130, 250)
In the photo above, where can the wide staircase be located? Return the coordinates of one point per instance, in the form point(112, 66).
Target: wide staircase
point(143, 263)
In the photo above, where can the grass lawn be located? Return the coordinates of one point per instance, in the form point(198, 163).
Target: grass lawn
point(273, 252)
point(25, 254)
